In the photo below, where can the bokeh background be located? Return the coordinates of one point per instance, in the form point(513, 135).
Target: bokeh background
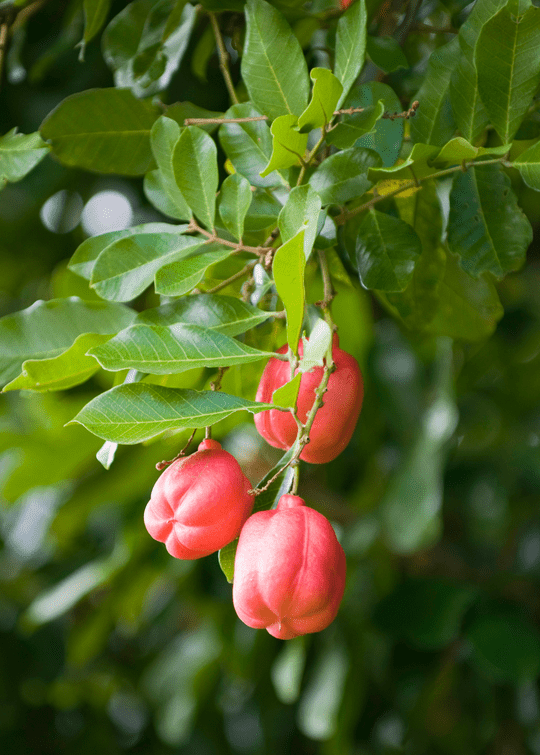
point(109, 645)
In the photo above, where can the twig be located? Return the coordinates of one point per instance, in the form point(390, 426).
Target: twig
point(162, 464)
point(347, 214)
point(223, 58)
point(329, 292)
point(246, 269)
point(410, 113)
point(216, 384)
point(250, 119)
point(238, 247)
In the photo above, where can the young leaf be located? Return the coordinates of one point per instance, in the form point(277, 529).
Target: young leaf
point(172, 349)
point(225, 314)
point(71, 367)
point(83, 261)
point(345, 133)
point(509, 72)
point(234, 201)
point(301, 210)
point(288, 145)
point(343, 176)
point(106, 454)
point(46, 329)
point(486, 227)
point(248, 145)
point(126, 267)
point(163, 138)
point(288, 269)
point(196, 172)
point(316, 348)
point(102, 130)
point(327, 90)
point(528, 164)
point(19, 154)
point(273, 66)
point(136, 412)
point(350, 46)
point(182, 276)
point(434, 120)
point(386, 251)
point(286, 395)
point(459, 149)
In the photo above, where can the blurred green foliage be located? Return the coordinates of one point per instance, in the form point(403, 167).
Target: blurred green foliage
point(109, 644)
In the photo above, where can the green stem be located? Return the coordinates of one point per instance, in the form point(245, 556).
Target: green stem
point(223, 58)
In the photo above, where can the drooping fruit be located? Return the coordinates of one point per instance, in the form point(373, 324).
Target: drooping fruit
point(289, 570)
point(336, 419)
point(199, 503)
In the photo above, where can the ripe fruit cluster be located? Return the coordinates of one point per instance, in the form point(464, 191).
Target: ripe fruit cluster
point(289, 572)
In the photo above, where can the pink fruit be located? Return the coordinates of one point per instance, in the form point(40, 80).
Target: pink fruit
point(199, 503)
point(289, 571)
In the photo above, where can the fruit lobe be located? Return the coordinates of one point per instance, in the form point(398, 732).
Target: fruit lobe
point(335, 421)
point(199, 503)
point(289, 571)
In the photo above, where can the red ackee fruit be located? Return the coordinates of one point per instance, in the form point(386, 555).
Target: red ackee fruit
point(199, 503)
point(289, 570)
point(335, 421)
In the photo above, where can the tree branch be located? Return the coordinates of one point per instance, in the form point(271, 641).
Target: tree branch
point(223, 59)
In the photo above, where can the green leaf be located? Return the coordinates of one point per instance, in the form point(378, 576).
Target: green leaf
point(288, 269)
point(528, 164)
point(136, 412)
point(182, 276)
point(196, 172)
point(345, 133)
point(248, 145)
point(286, 395)
point(506, 647)
point(420, 158)
point(59, 373)
point(509, 72)
point(83, 261)
point(144, 44)
point(46, 329)
point(169, 350)
point(288, 144)
point(425, 611)
point(343, 176)
point(486, 227)
point(386, 251)
point(327, 90)
point(102, 130)
point(19, 154)
point(350, 46)
point(263, 212)
point(95, 15)
point(273, 68)
point(225, 314)
point(386, 53)
point(125, 268)
point(263, 502)
point(387, 135)
point(234, 201)
point(459, 149)
point(163, 139)
point(467, 309)
point(434, 121)
point(469, 112)
point(301, 210)
point(155, 192)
